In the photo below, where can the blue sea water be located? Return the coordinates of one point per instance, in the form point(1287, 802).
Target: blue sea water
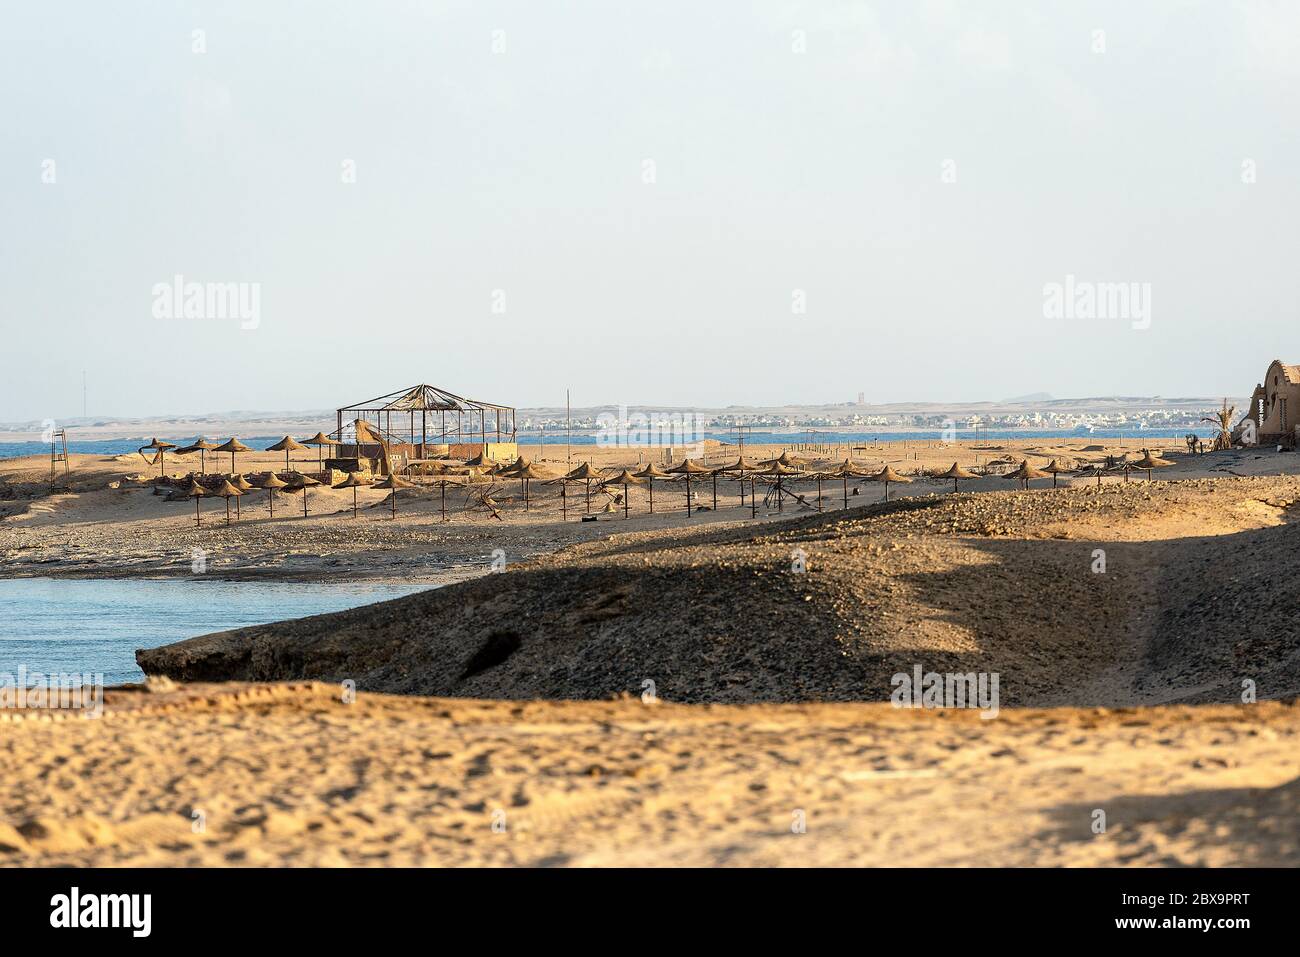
point(127, 446)
point(74, 626)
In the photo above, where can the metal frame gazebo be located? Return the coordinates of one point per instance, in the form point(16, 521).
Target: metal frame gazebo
point(426, 402)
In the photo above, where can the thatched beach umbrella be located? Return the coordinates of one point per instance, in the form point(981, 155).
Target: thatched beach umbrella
point(1053, 469)
point(477, 462)
point(393, 483)
point(354, 481)
point(739, 468)
point(1025, 473)
point(819, 477)
point(624, 478)
point(846, 470)
point(159, 447)
point(241, 483)
point(957, 473)
point(1149, 462)
point(320, 440)
point(650, 473)
point(286, 445)
point(527, 473)
point(203, 447)
point(271, 483)
point(779, 469)
point(196, 492)
point(888, 475)
point(785, 459)
point(300, 483)
point(233, 446)
point(583, 473)
point(228, 491)
point(508, 471)
point(687, 467)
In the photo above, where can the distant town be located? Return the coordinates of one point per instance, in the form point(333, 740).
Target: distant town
point(1037, 412)
point(1031, 413)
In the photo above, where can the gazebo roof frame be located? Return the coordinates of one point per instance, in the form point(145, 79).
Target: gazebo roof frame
point(424, 398)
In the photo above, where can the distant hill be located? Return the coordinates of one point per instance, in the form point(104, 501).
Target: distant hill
point(1032, 397)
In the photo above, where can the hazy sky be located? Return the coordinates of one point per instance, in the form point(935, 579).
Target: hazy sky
point(501, 155)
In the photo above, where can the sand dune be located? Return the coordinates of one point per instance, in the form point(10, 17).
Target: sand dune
point(1002, 583)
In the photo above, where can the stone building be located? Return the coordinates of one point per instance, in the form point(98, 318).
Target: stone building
point(1275, 404)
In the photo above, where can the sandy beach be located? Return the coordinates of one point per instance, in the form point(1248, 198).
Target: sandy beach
point(97, 523)
point(518, 727)
point(291, 775)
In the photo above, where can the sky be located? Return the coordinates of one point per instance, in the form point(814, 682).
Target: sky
point(676, 203)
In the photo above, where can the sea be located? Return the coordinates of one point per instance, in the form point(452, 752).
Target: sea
point(80, 626)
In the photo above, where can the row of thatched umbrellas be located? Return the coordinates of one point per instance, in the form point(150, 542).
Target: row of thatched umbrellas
point(233, 445)
point(1148, 463)
point(778, 469)
point(239, 486)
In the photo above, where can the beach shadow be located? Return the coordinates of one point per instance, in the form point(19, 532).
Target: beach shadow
point(1181, 620)
point(1234, 827)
